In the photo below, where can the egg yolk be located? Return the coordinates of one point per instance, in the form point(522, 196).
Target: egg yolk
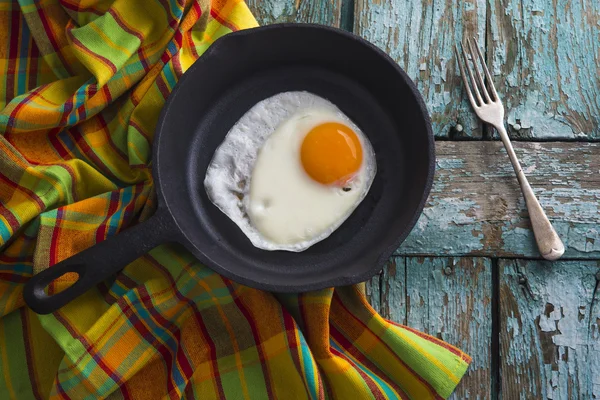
point(331, 153)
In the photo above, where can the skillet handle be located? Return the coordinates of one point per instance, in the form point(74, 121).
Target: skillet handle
point(99, 262)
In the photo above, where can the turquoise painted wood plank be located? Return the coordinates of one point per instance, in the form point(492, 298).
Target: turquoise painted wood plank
point(318, 12)
point(546, 63)
point(476, 206)
point(372, 292)
point(449, 298)
point(549, 329)
point(420, 36)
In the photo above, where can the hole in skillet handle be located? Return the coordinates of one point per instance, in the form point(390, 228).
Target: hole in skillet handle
point(59, 286)
point(35, 292)
point(99, 262)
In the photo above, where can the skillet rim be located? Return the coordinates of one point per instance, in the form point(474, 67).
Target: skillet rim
point(343, 280)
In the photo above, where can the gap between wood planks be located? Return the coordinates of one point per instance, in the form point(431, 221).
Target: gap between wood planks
point(543, 337)
point(495, 375)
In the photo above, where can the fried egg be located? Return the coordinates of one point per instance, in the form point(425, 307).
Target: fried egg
point(291, 171)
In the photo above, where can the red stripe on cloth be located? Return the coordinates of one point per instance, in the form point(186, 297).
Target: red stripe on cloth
point(66, 110)
point(30, 193)
point(186, 369)
point(79, 139)
point(90, 349)
point(60, 390)
point(189, 391)
point(62, 151)
point(140, 130)
point(290, 331)
point(124, 25)
point(139, 325)
point(50, 35)
point(129, 213)
point(97, 56)
point(113, 204)
point(192, 47)
point(257, 340)
point(366, 378)
point(143, 59)
point(10, 218)
point(391, 351)
point(31, 367)
point(109, 139)
point(176, 60)
point(166, 5)
point(198, 316)
point(18, 107)
point(196, 7)
point(106, 91)
point(125, 392)
point(91, 90)
point(222, 21)
point(349, 346)
point(162, 86)
point(81, 113)
point(178, 39)
point(71, 173)
point(213, 354)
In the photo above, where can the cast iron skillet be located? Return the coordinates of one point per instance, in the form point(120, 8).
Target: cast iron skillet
point(235, 73)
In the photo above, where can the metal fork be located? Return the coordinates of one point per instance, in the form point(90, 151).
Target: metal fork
point(489, 108)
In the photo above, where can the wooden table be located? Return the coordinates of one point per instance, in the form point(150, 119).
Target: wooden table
point(470, 272)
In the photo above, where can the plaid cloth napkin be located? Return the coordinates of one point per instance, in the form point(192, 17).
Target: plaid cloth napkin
point(81, 87)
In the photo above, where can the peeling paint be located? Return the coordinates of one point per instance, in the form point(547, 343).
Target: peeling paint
point(476, 206)
point(545, 59)
point(420, 36)
point(556, 354)
point(317, 12)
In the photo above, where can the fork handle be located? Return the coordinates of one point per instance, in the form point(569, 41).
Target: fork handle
point(548, 241)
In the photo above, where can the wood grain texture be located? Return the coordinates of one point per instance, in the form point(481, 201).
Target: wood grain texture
point(420, 36)
point(449, 298)
point(549, 329)
point(546, 62)
point(317, 12)
point(476, 206)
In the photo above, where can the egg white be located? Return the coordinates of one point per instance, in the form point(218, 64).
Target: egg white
point(256, 177)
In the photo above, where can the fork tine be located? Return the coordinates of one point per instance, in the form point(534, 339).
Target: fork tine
point(463, 74)
point(487, 74)
point(474, 88)
point(476, 68)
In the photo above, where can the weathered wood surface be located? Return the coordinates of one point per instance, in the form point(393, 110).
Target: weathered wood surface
point(550, 329)
point(449, 298)
point(546, 58)
point(420, 36)
point(317, 12)
point(476, 206)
